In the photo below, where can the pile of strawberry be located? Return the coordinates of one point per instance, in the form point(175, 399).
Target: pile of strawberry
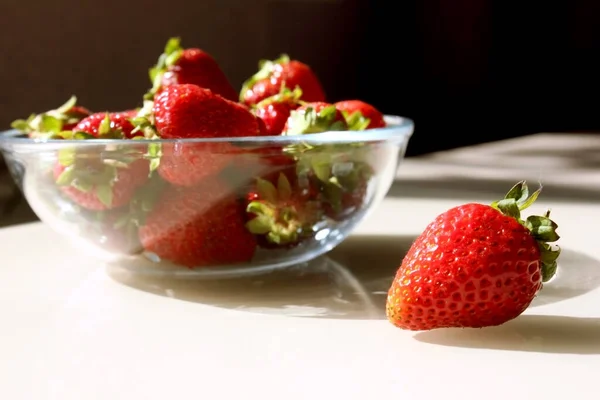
point(196, 203)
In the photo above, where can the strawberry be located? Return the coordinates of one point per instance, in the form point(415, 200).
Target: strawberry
point(339, 171)
point(96, 184)
point(282, 212)
point(275, 110)
point(315, 117)
point(282, 72)
point(186, 164)
point(360, 115)
point(194, 66)
point(116, 230)
point(474, 265)
point(49, 124)
point(199, 226)
point(108, 125)
point(188, 111)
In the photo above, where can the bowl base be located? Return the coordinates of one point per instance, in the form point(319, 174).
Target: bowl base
point(143, 266)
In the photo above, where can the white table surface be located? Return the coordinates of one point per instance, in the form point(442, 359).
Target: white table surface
point(70, 330)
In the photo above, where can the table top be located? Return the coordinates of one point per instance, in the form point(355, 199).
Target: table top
point(73, 330)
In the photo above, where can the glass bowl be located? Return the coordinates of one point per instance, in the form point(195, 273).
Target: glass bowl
point(207, 207)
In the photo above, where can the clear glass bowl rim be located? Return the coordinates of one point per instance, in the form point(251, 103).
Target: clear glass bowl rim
point(398, 129)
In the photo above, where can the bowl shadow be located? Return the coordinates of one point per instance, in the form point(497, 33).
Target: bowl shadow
point(527, 333)
point(350, 282)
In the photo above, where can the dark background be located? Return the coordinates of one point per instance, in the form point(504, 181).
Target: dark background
point(467, 71)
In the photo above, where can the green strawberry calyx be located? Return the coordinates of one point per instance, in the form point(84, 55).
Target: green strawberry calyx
point(356, 120)
point(542, 228)
point(278, 215)
point(265, 69)
point(141, 204)
point(89, 172)
point(144, 122)
point(309, 120)
point(97, 180)
point(168, 58)
point(285, 95)
point(50, 123)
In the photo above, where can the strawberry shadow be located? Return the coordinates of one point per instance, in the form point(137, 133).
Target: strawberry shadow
point(350, 282)
point(527, 333)
point(577, 274)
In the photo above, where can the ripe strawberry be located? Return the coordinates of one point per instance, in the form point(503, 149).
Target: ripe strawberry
point(188, 111)
point(194, 66)
point(360, 115)
point(283, 72)
point(96, 184)
point(315, 117)
point(282, 212)
point(108, 125)
point(474, 266)
point(186, 164)
point(275, 110)
point(199, 226)
point(51, 123)
point(116, 230)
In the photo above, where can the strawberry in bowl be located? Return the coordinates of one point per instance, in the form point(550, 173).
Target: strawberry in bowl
point(196, 179)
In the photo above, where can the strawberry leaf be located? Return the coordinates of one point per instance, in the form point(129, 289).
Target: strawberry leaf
point(66, 107)
point(309, 121)
point(169, 57)
point(105, 194)
point(259, 225)
point(66, 156)
point(542, 228)
point(154, 154)
point(66, 177)
point(356, 121)
point(284, 189)
point(266, 190)
point(265, 69)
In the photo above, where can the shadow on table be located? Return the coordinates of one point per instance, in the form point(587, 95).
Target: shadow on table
point(461, 187)
point(531, 333)
point(490, 170)
point(350, 283)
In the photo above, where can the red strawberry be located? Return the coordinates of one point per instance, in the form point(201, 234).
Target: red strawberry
point(117, 230)
point(360, 115)
point(315, 117)
point(188, 111)
point(112, 125)
point(186, 164)
point(51, 123)
point(198, 227)
point(275, 110)
point(283, 72)
point(194, 66)
point(282, 212)
point(96, 184)
point(474, 266)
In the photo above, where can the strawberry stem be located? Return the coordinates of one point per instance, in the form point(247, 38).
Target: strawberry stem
point(542, 228)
